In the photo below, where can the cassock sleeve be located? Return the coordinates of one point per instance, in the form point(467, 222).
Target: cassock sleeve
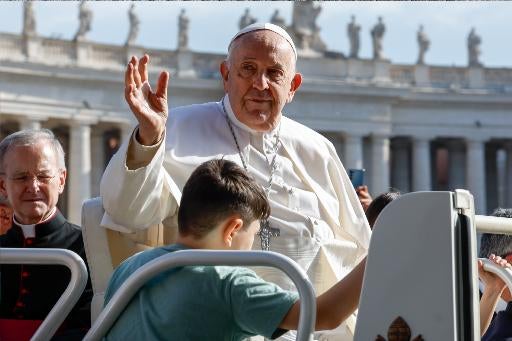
point(353, 218)
point(138, 198)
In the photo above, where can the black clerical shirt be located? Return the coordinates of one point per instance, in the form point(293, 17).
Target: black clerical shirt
point(29, 292)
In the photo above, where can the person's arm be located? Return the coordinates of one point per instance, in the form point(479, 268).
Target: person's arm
point(335, 305)
point(140, 198)
point(136, 190)
point(494, 287)
point(488, 304)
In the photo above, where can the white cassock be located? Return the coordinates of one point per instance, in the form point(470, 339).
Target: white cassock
point(322, 224)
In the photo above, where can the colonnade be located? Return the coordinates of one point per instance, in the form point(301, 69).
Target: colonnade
point(407, 163)
point(411, 163)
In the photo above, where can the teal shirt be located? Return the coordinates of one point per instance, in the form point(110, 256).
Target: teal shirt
point(198, 303)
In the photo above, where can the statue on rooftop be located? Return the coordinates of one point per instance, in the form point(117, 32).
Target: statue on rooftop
point(423, 44)
point(377, 34)
point(278, 19)
point(246, 19)
point(29, 20)
point(134, 26)
point(304, 27)
point(85, 17)
point(353, 30)
point(474, 42)
point(183, 22)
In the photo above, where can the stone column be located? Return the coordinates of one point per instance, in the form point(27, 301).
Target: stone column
point(421, 168)
point(475, 167)
point(97, 160)
point(457, 165)
point(79, 169)
point(400, 170)
point(380, 164)
point(29, 123)
point(353, 151)
point(494, 178)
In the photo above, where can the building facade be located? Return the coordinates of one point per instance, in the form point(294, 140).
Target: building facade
point(412, 127)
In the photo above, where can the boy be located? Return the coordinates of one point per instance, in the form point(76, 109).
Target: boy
point(220, 208)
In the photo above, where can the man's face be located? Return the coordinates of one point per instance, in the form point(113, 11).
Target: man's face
point(32, 181)
point(260, 78)
point(244, 238)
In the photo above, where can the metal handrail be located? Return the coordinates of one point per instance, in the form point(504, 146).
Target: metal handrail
point(125, 293)
point(490, 224)
point(68, 298)
point(504, 273)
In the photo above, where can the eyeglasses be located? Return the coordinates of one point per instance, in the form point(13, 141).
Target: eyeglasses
point(23, 179)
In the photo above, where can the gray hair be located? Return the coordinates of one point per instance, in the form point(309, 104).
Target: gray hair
point(31, 137)
point(498, 244)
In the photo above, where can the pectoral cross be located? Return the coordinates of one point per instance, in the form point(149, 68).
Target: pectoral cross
point(266, 232)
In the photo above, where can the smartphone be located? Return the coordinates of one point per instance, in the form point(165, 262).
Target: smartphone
point(356, 177)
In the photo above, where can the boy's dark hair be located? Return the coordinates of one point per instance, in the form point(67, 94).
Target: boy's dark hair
point(378, 204)
point(498, 244)
point(216, 190)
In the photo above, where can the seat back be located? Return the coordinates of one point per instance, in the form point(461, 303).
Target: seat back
point(106, 248)
point(97, 252)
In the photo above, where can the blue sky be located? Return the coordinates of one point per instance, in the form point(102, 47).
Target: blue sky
point(213, 23)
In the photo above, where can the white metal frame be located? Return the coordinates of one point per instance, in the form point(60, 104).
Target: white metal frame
point(208, 257)
point(68, 298)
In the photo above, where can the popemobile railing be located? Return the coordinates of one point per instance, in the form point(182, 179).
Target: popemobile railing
point(497, 225)
point(504, 273)
point(490, 224)
point(122, 297)
point(68, 298)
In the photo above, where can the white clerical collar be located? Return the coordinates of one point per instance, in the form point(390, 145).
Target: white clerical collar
point(232, 117)
point(29, 231)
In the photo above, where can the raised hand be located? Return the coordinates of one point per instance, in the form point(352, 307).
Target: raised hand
point(150, 108)
point(494, 287)
point(364, 196)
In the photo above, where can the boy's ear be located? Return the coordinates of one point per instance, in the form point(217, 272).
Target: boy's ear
point(231, 227)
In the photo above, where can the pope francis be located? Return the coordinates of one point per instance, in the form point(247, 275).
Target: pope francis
point(316, 218)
